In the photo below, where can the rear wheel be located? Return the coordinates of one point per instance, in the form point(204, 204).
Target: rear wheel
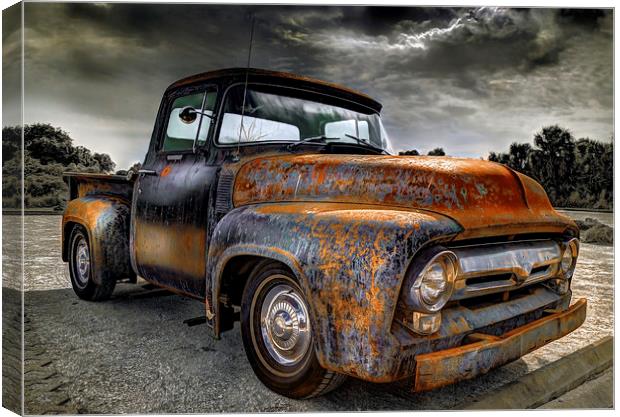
point(81, 269)
point(277, 335)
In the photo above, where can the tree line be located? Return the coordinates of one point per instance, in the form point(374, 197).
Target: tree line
point(433, 152)
point(48, 152)
point(574, 172)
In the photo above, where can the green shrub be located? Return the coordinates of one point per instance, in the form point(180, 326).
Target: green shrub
point(48, 152)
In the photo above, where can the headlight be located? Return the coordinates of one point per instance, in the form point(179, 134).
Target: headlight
point(569, 258)
point(433, 285)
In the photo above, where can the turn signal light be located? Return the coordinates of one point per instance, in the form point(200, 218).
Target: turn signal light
point(425, 323)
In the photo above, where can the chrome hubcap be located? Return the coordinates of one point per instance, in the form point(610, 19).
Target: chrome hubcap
point(82, 263)
point(284, 325)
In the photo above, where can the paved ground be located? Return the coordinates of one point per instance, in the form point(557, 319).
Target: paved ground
point(595, 393)
point(133, 354)
point(11, 349)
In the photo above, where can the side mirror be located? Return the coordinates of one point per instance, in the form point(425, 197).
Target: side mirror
point(131, 174)
point(188, 114)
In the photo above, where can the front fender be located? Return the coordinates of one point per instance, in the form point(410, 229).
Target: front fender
point(350, 261)
point(106, 220)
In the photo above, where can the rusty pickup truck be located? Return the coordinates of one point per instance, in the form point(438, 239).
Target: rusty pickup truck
point(277, 201)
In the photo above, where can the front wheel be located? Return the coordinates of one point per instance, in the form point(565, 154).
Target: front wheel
point(277, 335)
point(81, 269)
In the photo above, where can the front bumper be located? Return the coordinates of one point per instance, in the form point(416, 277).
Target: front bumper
point(485, 352)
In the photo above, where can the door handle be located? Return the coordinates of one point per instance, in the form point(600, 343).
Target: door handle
point(145, 172)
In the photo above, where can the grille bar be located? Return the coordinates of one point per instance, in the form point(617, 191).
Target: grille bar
point(501, 267)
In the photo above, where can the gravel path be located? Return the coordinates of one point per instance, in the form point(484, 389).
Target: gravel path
point(133, 354)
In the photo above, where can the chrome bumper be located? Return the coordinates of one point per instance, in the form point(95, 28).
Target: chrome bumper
point(444, 367)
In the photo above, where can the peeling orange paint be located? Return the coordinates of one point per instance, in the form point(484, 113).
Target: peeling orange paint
point(166, 171)
point(484, 197)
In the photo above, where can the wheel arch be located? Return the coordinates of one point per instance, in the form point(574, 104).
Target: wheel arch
point(106, 222)
point(248, 257)
point(350, 261)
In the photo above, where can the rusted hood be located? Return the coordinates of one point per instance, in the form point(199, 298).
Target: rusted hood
point(477, 194)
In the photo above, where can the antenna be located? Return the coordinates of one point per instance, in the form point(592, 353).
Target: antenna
point(245, 88)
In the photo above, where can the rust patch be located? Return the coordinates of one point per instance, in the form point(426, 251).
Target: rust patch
point(167, 169)
point(352, 260)
point(176, 250)
point(485, 198)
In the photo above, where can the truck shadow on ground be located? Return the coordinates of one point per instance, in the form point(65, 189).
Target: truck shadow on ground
point(134, 354)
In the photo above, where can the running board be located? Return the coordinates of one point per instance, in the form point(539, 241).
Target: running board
point(195, 321)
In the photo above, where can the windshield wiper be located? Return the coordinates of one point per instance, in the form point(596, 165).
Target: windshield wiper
point(366, 143)
point(323, 140)
point(312, 139)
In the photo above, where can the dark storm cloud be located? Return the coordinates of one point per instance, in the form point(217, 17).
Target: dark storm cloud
point(471, 80)
point(484, 40)
point(11, 65)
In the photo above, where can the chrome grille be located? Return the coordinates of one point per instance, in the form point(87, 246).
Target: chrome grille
point(494, 268)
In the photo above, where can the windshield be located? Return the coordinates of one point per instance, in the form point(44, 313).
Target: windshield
point(275, 114)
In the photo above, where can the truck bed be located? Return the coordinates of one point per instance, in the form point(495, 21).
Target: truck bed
point(84, 184)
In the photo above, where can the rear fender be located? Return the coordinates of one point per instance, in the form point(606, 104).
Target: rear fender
point(106, 220)
point(350, 261)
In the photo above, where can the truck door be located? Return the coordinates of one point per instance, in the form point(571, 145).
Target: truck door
point(171, 196)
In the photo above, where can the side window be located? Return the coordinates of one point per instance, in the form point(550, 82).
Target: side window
point(181, 133)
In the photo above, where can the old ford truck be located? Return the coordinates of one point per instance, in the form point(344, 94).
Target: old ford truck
point(276, 200)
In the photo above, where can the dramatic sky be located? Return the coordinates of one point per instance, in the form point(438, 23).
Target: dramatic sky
point(469, 80)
